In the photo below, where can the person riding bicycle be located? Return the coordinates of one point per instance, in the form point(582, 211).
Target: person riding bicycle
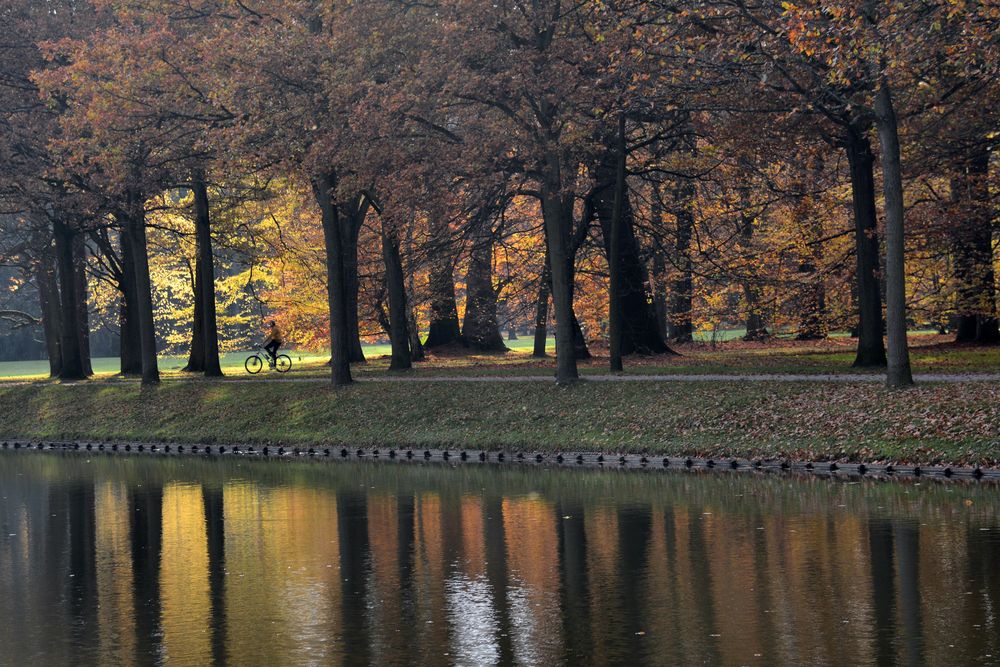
point(273, 342)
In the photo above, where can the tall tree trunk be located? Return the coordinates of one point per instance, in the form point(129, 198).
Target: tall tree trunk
point(48, 301)
point(130, 345)
point(898, 370)
point(542, 312)
point(83, 311)
point(69, 337)
point(351, 220)
point(756, 324)
point(871, 347)
point(413, 327)
point(143, 288)
point(396, 288)
point(340, 364)
point(444, 327)
point(640, 331)
point(614, 245)
point(196, 354)
point(557, 215)
point(812, 320)
point(972, 250)
point(680, 325)
point(480, 330)
point(206, 271)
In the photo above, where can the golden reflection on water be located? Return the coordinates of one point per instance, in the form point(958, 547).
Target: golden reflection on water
point(126, 562)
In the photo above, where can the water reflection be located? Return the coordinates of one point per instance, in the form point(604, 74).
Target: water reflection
point(116, 561)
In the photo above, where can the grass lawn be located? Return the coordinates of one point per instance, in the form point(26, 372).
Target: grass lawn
point(929, 353)
point(955, 423)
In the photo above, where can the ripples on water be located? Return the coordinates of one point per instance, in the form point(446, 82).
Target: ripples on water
point(123, 561)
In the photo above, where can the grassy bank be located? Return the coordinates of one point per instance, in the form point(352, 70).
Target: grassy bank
point(949, 422)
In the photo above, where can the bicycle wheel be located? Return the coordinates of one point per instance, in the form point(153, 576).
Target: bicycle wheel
point(254, 364)
point(283, 364)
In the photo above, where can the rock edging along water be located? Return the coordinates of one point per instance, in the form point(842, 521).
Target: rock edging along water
point(481, 457)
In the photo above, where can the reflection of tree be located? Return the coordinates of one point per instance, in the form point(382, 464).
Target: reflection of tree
point(215, 531)
point(352, 524)
point(880, 546)
point(907, 537)
point(702, 585)
point(145, 526)
point(82, 565)
point(574, 588)
point(634, 527)
point(496, 574)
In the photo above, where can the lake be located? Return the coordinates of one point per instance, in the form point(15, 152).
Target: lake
point(118, 560)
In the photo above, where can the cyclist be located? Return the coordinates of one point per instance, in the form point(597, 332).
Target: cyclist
point(272, 342)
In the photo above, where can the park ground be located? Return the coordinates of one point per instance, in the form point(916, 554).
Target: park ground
point(953, 422)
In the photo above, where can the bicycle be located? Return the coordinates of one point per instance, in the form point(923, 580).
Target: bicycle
point(255, 362)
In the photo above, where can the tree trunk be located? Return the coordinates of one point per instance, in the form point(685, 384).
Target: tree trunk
point(69, 336)
point(396, 288)
point(206, 271)
point(48, 301)
point(480, 330)
point(639, 330)
point(83, 311)
point(614, 245)
point(196, 355)
point(444, 327)
point(340, 364)
point(756, 324)
point(557, 215)
point(680, 326)
point(972, 250)
point(812, 323)
point(871, 347)
point(898, 370)
point(130, 351)
point(542, 312)
point(351, 221)
point(413, 327)
point(143, 289)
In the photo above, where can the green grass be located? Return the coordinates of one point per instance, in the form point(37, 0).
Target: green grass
point(929, 353)
point(953, 422)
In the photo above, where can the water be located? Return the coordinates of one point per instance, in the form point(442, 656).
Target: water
point(179, 561)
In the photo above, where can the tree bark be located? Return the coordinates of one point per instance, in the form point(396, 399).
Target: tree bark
point(972, 251)
point(871, 347)
point(396, 288)
point(204, 257)
point(48, 302)
point(557, 215)
point(640, 331)
point(444, 326)
point(413, 327)
point(680, 326)
point(130, 351)
point(614, 244)
point(196, 354)
point(340, 364)
point(542, 312)
point(480, 330)
point(898, 369)
point(143, 288)
point(756, 324)
point(351, 221)
point(69, 319)
point(83, 311)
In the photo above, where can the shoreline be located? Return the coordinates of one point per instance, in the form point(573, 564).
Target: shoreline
point(887, 471)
